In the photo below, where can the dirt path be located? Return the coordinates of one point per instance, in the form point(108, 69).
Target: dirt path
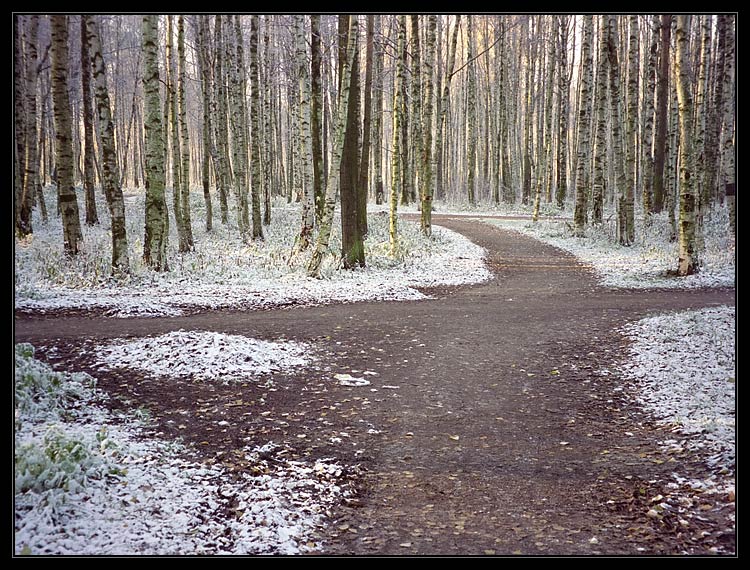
point(487, 430)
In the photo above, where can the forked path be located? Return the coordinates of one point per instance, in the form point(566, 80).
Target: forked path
point(488, 428)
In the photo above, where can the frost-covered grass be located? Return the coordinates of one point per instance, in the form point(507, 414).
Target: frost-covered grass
point(204, 355)
point(89, 483)
point(684, 367)
point(648, 262)
point(226, 272)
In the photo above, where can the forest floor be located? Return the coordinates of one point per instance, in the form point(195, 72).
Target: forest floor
point(484, 425)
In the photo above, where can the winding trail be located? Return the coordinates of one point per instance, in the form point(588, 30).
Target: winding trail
point(488, 428)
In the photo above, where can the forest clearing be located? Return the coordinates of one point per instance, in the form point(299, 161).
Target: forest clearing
point(374, 285)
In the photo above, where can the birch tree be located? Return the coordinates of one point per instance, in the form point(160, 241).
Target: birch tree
point(72, 236)
point(377, 118)
point(308, 200)
point(427, 191)
point(662, 98)
point(648, 112)
point(155, 235)
point(88, 129)
point(184, 202)
point(563, 98)
point(584, 114)
point(324, 234)
point(727, 132)
point(471, 114)
point(630, 137)
point(396, 155)
point(600, 137)
point(204, 67)
point(110, 173)
point(255, 118)
point(688, 260)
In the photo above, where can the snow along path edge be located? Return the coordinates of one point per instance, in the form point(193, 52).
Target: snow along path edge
point(451, 259)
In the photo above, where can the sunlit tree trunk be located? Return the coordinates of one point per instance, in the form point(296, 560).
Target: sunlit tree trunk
point(110, 173)
point(308, 200)
point(427, 190)
point(68, 202)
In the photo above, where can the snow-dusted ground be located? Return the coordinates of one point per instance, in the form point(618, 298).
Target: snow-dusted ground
point(204, 355)
point(86, 483)
point(645, 264)
point(225, 272)
point(683, 365)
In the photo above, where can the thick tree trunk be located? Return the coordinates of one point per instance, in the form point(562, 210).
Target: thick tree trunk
point(728, 120)
point(110, 174)
point(68, 202)
point(324, 235)
point(156, 234)
point(352, 241)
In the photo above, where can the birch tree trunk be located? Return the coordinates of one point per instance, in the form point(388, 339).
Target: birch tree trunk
point(255, 118)
point(727, 131)
point(364, 164)
point(377, 121)
point(396, 156)
point(185, 138)
point(174, 136)
point(308, 200)
point(316, 111)
point(426, 177)
point(68, 202)
point(208, 152)
point(31, 185)
point(648, 129)
point(88, 131)
point(324, 235)
point(600, 137)
point(220, 119)
point(688, 260)
point(620, 191)
point(632, 123)
point(110, 173)
point(563, 106)
point(22, 222)
point(445, 104)
point(471, 114)
point(584, 114)
point(156, 235)
point(415, 150)
point(662, 98)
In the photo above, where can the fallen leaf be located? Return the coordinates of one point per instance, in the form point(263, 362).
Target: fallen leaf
point(454, 437)
point(405, 544)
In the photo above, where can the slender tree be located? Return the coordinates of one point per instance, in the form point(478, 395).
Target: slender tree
point(308, 200)
point(22, 220)
point(471, 114)
point(204, 66)
point(600, 136)
point(184, 136)
point(630, 135)
point(563, 101)
point(427, 190)
point(364, 164)
point(727, 131)
point(688, 261)
point(220, 121)
point(584, 114)
point(396, 155)
point(316, 111)
point(156, 235)
point(68, 202)
point(255, 118)
point(377, 117)
point(648, 121)
point(88, 129)
point(662, 99)
point(110, 174)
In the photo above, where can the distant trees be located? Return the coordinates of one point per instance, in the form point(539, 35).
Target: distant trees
point(578, 112)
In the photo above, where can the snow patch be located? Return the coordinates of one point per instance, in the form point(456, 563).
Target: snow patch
point(684, 367)
point(204, 355)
